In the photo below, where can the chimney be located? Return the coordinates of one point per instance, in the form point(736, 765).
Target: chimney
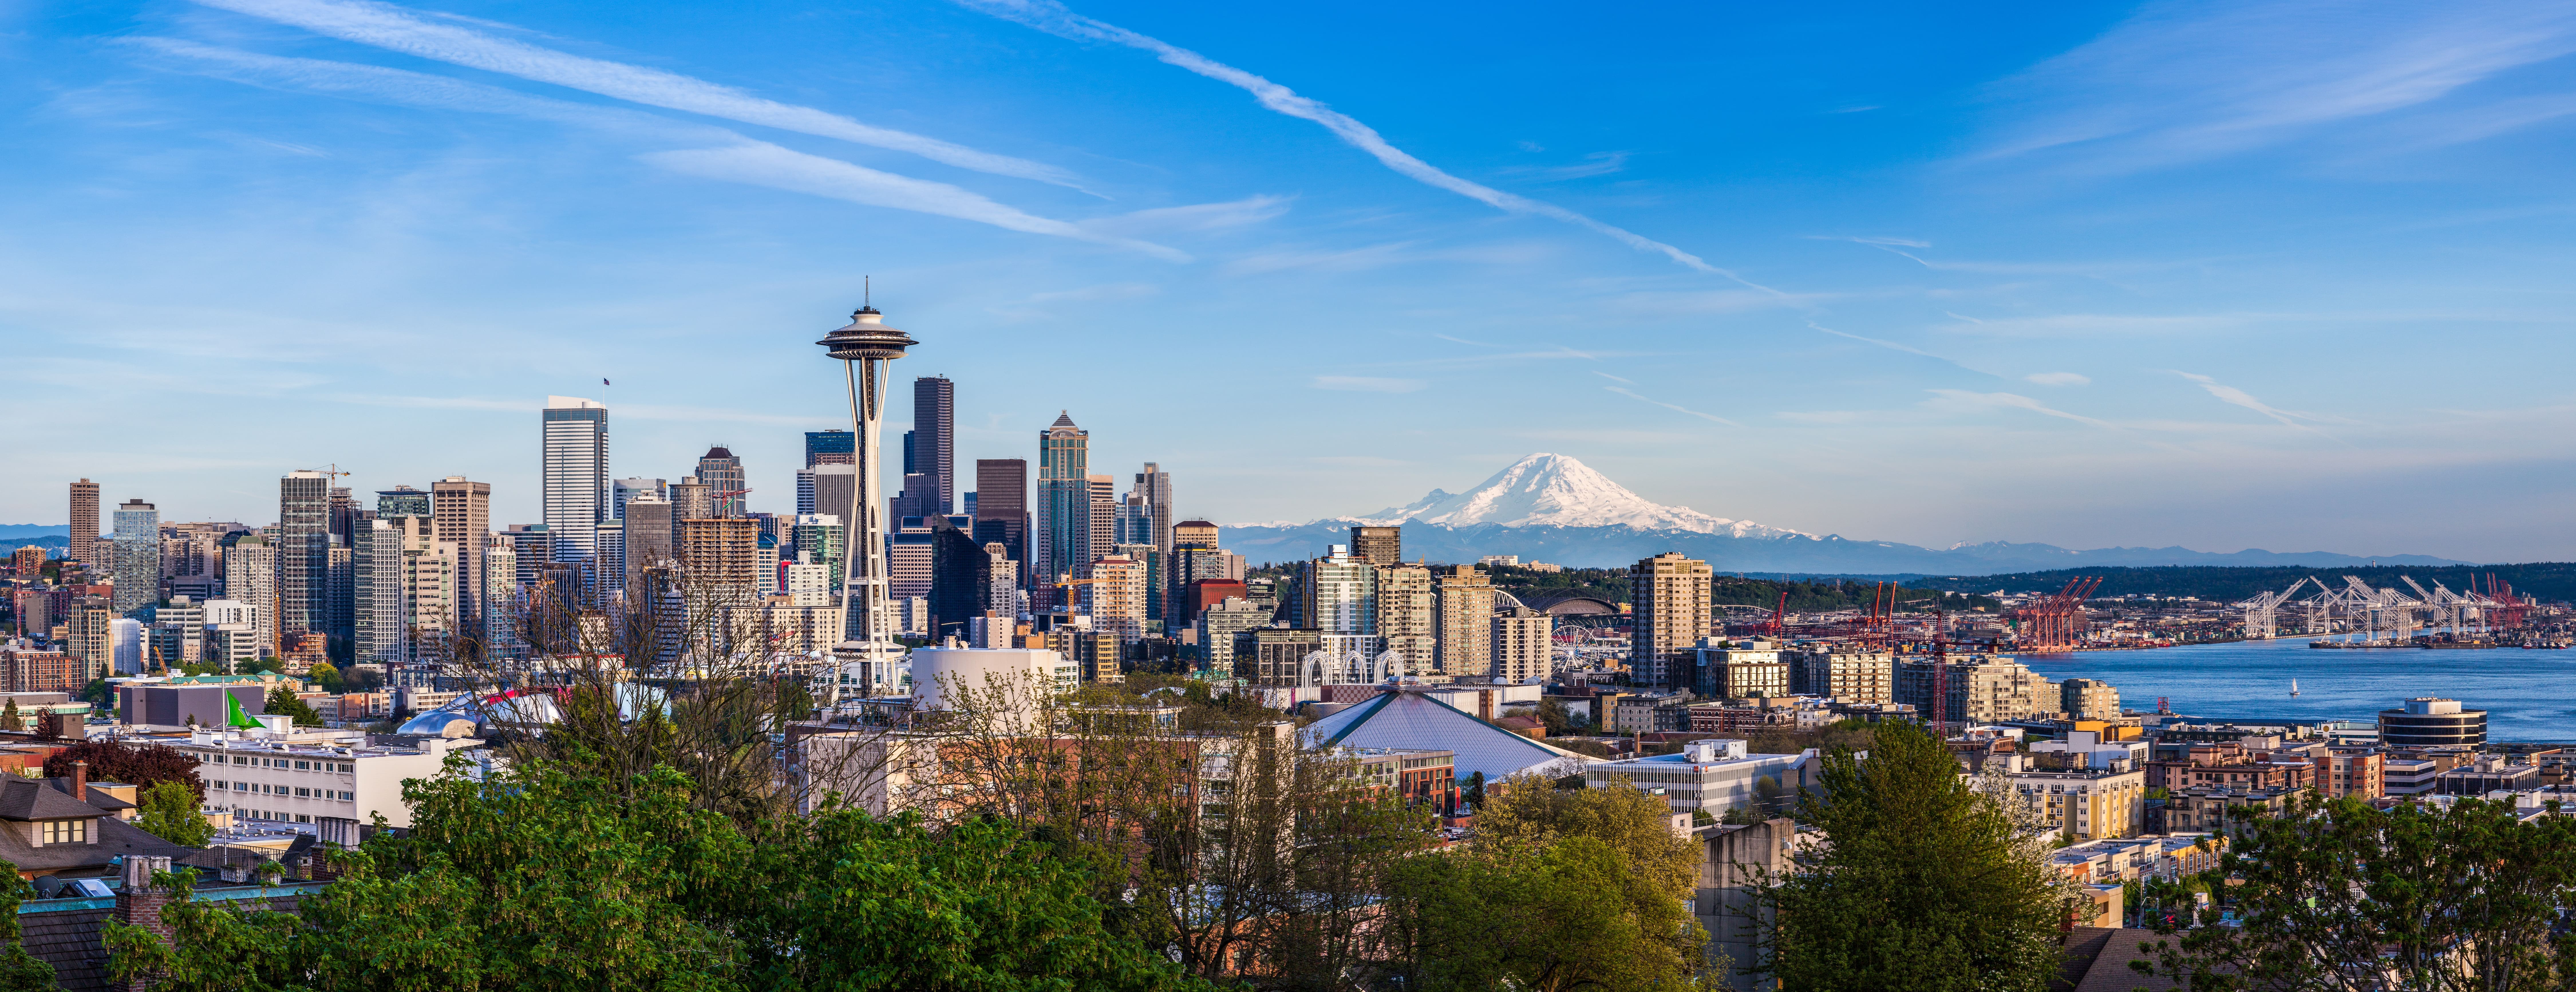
point(80, 780)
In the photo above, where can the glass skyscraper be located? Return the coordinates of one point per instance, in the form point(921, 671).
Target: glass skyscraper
point(575, 483)
point(1064, 503)
point(137, 562)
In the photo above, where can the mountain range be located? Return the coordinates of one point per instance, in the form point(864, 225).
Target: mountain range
point(1553, 508)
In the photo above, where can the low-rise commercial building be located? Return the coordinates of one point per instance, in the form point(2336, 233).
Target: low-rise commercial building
point(332, 779)
point(1710, 775)
point(2427, 721)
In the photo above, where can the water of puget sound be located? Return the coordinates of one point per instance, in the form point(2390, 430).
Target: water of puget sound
point(2528, 695)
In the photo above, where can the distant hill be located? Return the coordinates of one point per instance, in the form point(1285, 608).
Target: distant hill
point(20, 532)
point(2554, 581)
point(1553, 508)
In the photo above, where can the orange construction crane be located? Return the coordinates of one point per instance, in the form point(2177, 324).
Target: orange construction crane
point(2054, 624)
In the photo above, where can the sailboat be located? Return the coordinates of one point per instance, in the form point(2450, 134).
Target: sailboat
point(2294, 687)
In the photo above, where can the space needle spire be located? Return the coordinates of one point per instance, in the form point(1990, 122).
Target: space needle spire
point(863, 348)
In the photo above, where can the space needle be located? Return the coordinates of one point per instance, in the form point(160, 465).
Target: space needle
point(863, 349)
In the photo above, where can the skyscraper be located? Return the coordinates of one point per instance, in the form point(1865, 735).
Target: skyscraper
point(376, 619)
point(721, 472)
point(1405, 615)
point(1116, 597)
point(1064, 502)
point(136, 560)
point(934, 443)
point(462, 511)
point(303, 555)
point(574, 476)
point(1670, 593)
point(626, 489)
point(1104, 519)
point(1338, 593)
point(1463, 600)
point(647, 536)
point(1002, 501)
point(1155, 485)
point(833, 447)
point(693, 500)
point(84, 521)
point(250, 578)
point(1379, 545)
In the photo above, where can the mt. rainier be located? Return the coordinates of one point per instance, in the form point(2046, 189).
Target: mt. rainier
point(1550, 490)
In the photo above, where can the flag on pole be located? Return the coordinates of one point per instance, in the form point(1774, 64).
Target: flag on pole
point(233, 715)
point(603, 382)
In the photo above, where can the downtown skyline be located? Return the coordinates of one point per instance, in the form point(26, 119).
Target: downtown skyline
point(2086, 281)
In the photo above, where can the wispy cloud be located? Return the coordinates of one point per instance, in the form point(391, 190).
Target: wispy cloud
point(2239, 397)
point(739, 159)
point(1380, 256)
point(2058, 378)
point(2016, 401)
point(1613, 378)
point(1595, 164)
point(2079, 325)
point(1196, 218)
point(1054, 18)
point(1366, 384)
point(2181, 82)
point(1890, 345)
point(1710, 417)
point(401, 30)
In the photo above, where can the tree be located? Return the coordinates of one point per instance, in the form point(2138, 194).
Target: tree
point(545, 880)
point(1926, 882)
point(1526, 813)
point(2339, 895)
point(325, 675)
point(1553, 714)
point(9, 718)
point(1562, 915)
point(19, 971)
point(138, 765)
point(282, 702)
point(170, 812)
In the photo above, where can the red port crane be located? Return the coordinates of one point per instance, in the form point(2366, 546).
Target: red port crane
point(2054, 624)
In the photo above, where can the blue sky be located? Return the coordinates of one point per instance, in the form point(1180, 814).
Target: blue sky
point(2282, 275)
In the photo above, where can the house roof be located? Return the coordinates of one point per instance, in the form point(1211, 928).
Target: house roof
point(68, 939)
point(1415, 721)
point(32, 799)
point(97, 797)
point(112, 837)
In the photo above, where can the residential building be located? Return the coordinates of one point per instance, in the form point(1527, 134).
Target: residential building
point(1844, 676)
point(461, 511)
point(1712, 776)
point(573, 477)
point(1063, 505)
point(1523, 640)
point(721, 557)
point(1406, 617)
point(1726, 669)
point(1337, 593)
point(303, 554)
point(1463, 609)
point(2220, 809)
point(721, 473)
point(1670, 597)
point(1378, 545)
point(1104, 519)
point(1983, 689)
point(28, 670)
point(1275, 656)
point(1115, 599)
point(84, 513)
point(2083, 803)
point(2427, 721)
point(692, 499)
point(92, 638)
point(817, 539)
point(136, 558)
point(378, 611)
point(2089, 699)
point(1194, 534)
point(501, 602)
point(1218, 627)
point(2359, 772)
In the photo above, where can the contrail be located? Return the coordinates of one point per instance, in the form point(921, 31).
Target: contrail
point(1054, 18)
point(395, 29)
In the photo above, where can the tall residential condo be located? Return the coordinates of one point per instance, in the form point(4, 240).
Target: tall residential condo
point(136, 558)
point(721, 472)
point(1064, 503)
point(574, 476)
point(934, 433)
point(84, 521)
point(1671, 596)
point(462, 512)
point(1104, 521)
point(1379, 545)
point(303, 555)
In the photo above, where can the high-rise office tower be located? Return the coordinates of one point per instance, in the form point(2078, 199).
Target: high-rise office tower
point(1064, 503)
point(692, 499)
point(345, 513)
point(626, 489)
point(647, 537)
point(1135, 519)
point(462, 511)
point(402, 501)
point(1463, 601)
point(830, 448)
point(533, 546)
point(1337, 593)
point(934, 431)
point(1379, 545)
point(832, 485)
point(805, 490)
point(1155, 485)
point(250, 578)
point(135, 558)
point(1194, 533)
point(908, 555)
point(1194, 558)
point(574, 483)
point(84, 521)
point(1002, 504)
point(1670, 597)
point(721, 473)
point(499, 588)
point(1405, 616)
point(1104, 519)
point(303, 555)
point(376, 612)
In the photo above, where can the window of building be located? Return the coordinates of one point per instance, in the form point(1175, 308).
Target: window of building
point(302, 766)
point(301, 793)
point(66, 831)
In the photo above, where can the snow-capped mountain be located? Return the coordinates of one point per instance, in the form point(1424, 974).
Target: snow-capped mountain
point(1551, 490)
point(1550, 507)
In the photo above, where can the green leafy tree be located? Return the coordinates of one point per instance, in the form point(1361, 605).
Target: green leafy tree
point(1528, 813)
point(169, 811)
point(325, 675)
point(281, 700)
point(2336, 894)
point(1560, 916)
point(19, 970)
point(1927, 884)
